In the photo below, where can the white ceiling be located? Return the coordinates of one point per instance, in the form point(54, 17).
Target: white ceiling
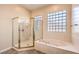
point(33, 6)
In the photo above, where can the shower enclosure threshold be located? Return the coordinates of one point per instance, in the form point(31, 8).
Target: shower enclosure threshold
point(22, 49)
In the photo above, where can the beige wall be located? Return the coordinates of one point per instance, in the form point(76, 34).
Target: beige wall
point(49, 36)
point(7, 12)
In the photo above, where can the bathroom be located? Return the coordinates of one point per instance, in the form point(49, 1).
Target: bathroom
point(39, 27)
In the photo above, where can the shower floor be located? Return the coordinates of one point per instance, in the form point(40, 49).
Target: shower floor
point(25, 43)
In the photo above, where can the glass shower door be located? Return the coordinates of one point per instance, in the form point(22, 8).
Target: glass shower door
point(25, 35)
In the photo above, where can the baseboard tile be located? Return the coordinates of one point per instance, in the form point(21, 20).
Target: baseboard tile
point(5, 49)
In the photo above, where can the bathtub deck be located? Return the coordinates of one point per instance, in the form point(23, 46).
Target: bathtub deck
point(55, 49)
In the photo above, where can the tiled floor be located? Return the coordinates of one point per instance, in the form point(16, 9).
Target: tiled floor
point(33, 51)
point(12, 51)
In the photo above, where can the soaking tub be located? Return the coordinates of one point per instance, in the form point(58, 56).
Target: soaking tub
point(50, 47)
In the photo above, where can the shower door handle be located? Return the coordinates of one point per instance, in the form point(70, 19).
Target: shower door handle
point(22, 30)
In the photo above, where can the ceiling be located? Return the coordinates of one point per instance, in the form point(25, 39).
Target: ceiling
point(33, 6)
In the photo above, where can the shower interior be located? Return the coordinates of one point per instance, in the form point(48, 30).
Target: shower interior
point(21, 33)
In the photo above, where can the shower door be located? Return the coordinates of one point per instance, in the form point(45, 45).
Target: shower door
point(22, 34)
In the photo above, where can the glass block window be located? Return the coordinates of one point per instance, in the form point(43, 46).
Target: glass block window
point(37, 22)
point(57, 21)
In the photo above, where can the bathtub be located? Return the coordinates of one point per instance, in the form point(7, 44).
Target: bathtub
point(49, 47)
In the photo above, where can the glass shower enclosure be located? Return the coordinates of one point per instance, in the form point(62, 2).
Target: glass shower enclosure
point(21, 33)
